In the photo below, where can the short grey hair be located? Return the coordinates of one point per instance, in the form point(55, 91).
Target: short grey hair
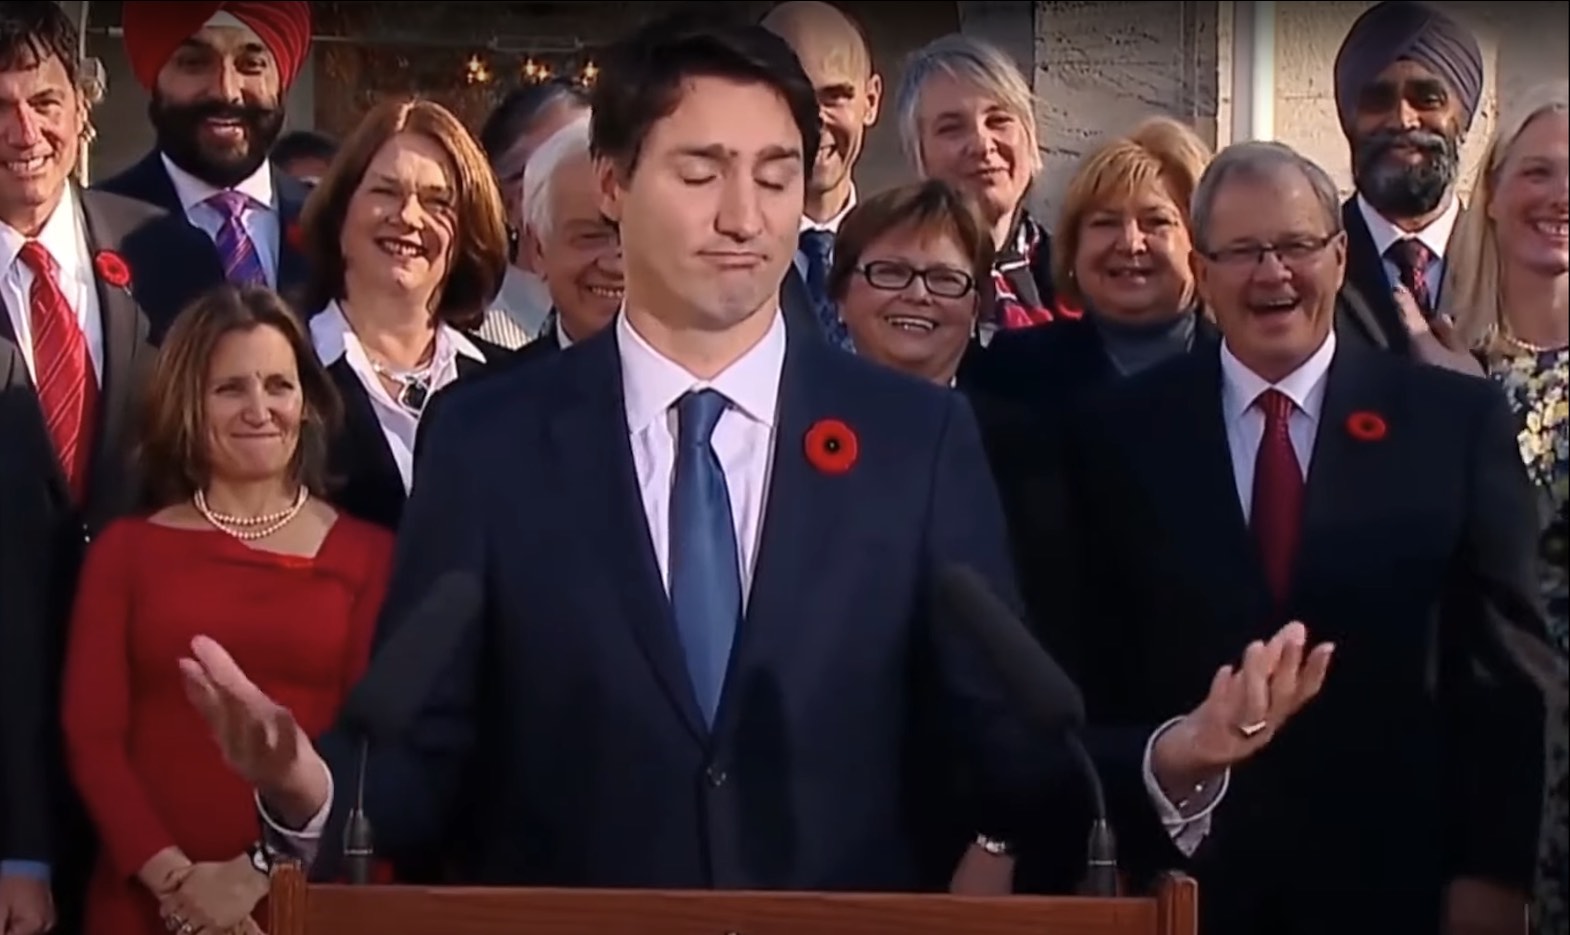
point(973, 61)
point(539, 173)
point(1254, 161)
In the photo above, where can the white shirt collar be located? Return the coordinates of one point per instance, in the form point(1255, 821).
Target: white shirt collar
point(832, 225)
point(192, 191)
point(61, 235)
point(652, 383)
point(1436, 236)
point(1305, 386)
point(331, 334)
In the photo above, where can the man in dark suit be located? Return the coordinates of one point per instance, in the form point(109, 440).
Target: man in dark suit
point(218, 74)
point(728, 583)
point(84, 277)
point(1293, 476)
point(1408, 81)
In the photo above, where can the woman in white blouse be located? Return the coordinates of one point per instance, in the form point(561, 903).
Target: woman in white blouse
point(407, 240)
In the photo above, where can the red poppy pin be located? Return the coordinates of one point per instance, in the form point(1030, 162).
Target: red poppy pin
point(112, 269)
point(294, 236)
point(831, 446)
point(1366, 426)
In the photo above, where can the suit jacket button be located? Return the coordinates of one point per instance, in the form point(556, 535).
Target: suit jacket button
point(716, 776)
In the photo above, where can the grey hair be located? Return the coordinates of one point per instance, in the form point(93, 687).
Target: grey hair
point(976, 62)
point(1254, 161)
point(539, 173)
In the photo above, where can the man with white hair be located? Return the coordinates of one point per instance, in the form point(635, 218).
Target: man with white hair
point(576, 249)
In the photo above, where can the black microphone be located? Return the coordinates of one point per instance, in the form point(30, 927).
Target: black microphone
point(1041, 688)
point(387, 698)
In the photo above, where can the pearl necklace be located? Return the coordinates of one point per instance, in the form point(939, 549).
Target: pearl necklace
point(1529, 347)
point(250, 528)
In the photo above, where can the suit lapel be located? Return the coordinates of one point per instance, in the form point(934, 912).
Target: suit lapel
point(123, 337)
point(1366, 275)
point(804, 516)
point(593, 454)
point(362, 450)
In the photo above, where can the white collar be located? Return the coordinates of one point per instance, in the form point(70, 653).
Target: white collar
point(192, 191)
point(61, 235)
point(331, 334)
point(652, 382)
point(1436, 236)
point(832, 225)
point(1305, 386)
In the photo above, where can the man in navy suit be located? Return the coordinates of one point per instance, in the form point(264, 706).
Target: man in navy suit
point(703, 661)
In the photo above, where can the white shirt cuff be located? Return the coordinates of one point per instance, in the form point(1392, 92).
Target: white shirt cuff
point(304, 843)
point(1188, 820)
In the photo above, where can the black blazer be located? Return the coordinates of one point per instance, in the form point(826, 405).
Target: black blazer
point(43, 535)
point(148, 181)
point(365, 479)
point(1368, 313)
point(1422, 759)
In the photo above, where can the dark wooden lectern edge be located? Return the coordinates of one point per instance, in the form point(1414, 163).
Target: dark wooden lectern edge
point(296, 908)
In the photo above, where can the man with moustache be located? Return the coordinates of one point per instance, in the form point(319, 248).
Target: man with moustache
point(1408, 79)
point(84, 278)
point(218, 74)
point(833, 51)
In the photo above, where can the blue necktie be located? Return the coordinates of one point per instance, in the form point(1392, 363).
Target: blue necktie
point(242, 267)
point(817, 246)
point(704, 565)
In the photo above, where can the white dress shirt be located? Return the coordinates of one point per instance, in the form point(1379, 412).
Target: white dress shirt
point(260, 219)
point(1436, 237)
point(64, 235)
point(333, 339)
point(743, 441)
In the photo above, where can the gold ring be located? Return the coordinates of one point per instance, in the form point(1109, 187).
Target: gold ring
point(1250, 731)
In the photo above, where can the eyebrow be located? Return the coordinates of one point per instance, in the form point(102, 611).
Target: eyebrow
point(719, 153)
point(385, 179)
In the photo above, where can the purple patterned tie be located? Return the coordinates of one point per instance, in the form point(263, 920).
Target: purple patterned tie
point(242, 266)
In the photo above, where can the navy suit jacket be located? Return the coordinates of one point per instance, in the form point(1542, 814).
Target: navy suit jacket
point(566, 727)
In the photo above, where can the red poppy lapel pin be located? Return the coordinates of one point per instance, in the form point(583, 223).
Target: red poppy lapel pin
point(294, 236)
point(112, 269)
point(831, 446)
point(1367, 426)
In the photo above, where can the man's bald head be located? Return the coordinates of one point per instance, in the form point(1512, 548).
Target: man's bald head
point(823, 32)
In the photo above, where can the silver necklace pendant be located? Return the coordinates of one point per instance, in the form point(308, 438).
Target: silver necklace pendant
point(416, 392)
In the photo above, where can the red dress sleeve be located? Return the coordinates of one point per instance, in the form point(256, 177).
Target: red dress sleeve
point(97, 703)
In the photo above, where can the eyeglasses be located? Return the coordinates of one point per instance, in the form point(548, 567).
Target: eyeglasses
point(1288, 252)
point(942, 281)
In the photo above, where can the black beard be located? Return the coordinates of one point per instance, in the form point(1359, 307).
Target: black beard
point(1406, 191)
point(178, 128)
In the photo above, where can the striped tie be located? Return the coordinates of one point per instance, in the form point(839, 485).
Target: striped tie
point(242, 266)
point(63, 370)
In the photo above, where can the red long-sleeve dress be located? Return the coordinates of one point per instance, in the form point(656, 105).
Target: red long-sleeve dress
point(142, 758)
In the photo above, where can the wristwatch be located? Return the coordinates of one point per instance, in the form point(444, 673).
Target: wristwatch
point(994, 846)
point(261, 859)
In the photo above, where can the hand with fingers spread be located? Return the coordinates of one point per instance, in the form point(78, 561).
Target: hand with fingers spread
point(259, 738)
point(1433, 339)
point(1245, 707)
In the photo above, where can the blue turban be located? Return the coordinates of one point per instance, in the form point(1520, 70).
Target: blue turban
point(1396, 29)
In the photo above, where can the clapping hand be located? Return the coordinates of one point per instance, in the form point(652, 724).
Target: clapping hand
point(1434, 340)
point(26, 906)
point(1243, 710)
point(214, 898)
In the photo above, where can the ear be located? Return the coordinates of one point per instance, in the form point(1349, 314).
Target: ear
point(612, 191)
point(1199, 268)
point(1338, 251)
point(532, 248)
point(874, 99)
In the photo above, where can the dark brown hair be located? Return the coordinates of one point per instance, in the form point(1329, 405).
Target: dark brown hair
point(929, 207)
point(479, 248)
point(173, 450)
point(33, 30)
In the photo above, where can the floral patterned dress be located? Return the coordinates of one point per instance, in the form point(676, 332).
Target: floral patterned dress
point(1538, 386)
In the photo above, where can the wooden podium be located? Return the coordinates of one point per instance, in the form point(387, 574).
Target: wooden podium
point(296, 908)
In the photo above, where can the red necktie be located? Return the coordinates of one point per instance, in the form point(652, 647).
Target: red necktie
point(1277, 513)
point(62, 370)
point(1412, 260)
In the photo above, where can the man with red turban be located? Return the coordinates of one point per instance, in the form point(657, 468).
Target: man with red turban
point(218, 75)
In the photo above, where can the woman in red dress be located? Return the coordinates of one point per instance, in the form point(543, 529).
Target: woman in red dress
point(243, 550)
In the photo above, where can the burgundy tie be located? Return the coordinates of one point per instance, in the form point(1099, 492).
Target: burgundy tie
point(1412, 260)
point(1277, 514)
point(62, 370)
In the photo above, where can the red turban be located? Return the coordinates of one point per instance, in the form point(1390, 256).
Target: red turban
point(154, 29)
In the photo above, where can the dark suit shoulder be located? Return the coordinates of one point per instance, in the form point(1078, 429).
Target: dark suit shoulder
point(119, 207)
point(140, 180)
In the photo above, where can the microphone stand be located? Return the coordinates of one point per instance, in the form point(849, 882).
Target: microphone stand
point(1101, 858)
point(359, 842)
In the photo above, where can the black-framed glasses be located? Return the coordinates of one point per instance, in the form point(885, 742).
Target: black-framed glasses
point(1295, 250)
point(893, 276)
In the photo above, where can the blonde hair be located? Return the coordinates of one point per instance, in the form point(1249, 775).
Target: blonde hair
point(1470, 291)
point(1160, 151)
point(975, 62)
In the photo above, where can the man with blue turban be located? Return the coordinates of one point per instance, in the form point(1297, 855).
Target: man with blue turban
point(1408, 82)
